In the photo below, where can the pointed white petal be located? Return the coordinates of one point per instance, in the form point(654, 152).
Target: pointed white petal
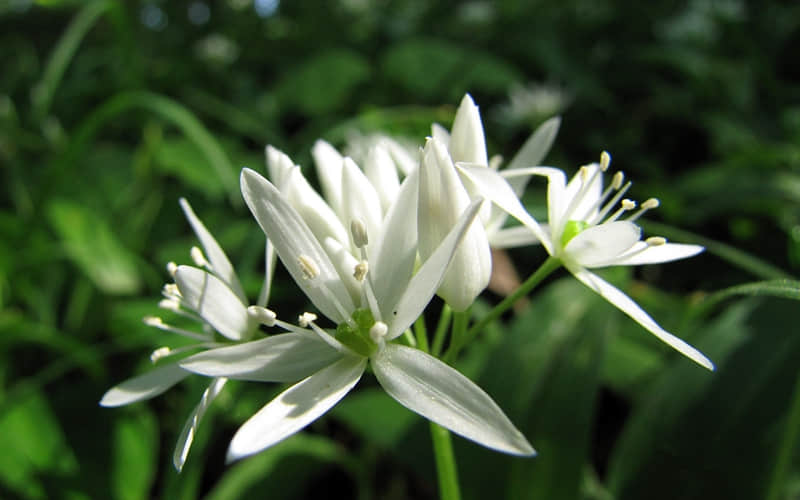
point(286, 357)
point(533, 151)
point(329, 171)
point(193, 422)
point(216, 256)
point(495, 188)
point(424, 284)
point(315, 211)
point(657, 254)
point(269, 272)
point(393, 254)
point(296, 407)
point(632, 309)
point(442, 198)
point(599, 244)
point(292, 238)
point(406, 159)
point(278, 166)
point(467, 142)
point(556, 195)
point(580, 203)
point(211, 298)
point(145, 386)
point(381, 171)
point(440, 134)
point(425, 385)
point(513, 237)
point(214, 302)
point(361, 201)
point(345, 264)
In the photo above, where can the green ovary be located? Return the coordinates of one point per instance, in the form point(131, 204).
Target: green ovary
point(571, 229)
point(357, 337)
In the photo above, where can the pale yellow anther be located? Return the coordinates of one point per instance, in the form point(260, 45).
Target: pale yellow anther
point(198, 258)
point(153, 321)
point(306, 319)
point(161, 352)
point(628, 204)
point(584, 173)
point(308, 266)
point(169, 304)
point(655, 241)
point(359, 233)
point(361, 270)
point(605, 160)
point(262, 315)
point(171, 289)
point(651, 203)
point(172, 268)
point(616, 181)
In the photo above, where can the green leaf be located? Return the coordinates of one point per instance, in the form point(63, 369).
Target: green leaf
point(388, 421)
point(782, 288)
point(89, 242)
point(135, 455)
point(323, 83)
point(184, 160)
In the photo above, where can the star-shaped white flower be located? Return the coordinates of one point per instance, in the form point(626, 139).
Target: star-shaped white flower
point(210, 294)
point(585, 232)
point(391, 298)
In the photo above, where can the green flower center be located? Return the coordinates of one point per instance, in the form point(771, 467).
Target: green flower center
point(571, 229)
point(357, 337)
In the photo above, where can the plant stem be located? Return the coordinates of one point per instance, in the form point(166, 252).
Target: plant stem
point(441, 330)
point(547, 267)
point(422, 334)
point(458, 336)
point(445, 463)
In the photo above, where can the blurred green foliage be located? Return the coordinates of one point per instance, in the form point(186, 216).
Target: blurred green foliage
point(110, 111)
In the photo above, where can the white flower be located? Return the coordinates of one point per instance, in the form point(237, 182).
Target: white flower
point(213, 297)
point(391, 297)
point(585, 232)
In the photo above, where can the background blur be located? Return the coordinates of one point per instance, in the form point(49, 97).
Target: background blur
point(111, 111)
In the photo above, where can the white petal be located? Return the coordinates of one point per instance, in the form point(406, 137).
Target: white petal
point(279, 165)
point(286, 357)
point(404, 158)
point(145, 386)
point(216, 256)
point(467, 142)
point(292, 238)
point(329, 171)
point(381, 171)
point(193, 422)
point(296, 407)
point(629, 307)
point(556, 187)
point(496, 189)
point(214, 302)
point(657, 254)
point(442, 198)
point(513, 237)
point(360, 200)
point(580, 203)
point(598, 244)
point(533, 151)
point(315, 211)
point(345, 264)
point(269, 272)
point(393, 254)
point(424, 284)
point(425, 385)
point(440, 134)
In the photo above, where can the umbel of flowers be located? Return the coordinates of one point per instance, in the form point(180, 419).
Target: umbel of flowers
point(370, 251)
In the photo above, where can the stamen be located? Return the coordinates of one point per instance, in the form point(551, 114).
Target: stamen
point(616, 181)
point(306, 319)
point(626, 205)
point(644, 207)
point(170, 304)
point(161, 352)
point(262, 315)
point(172, 268)
point(171, 290)
point(359, 233)
point(605, 160)
point(198, 258)
point(361, 270)
point(329, 339)
point(656, 241)
point(611, 203)
point(308, 267)
point(157, 322)
point(586, 182)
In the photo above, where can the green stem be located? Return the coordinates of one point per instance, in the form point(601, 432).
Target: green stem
point(547, 267)
point(445, 463)
point(421, 334)
point(441, 330)
point(777, 483)
point(459, 336)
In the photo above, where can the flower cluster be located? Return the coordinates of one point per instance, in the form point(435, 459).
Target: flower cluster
point(370, 251)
